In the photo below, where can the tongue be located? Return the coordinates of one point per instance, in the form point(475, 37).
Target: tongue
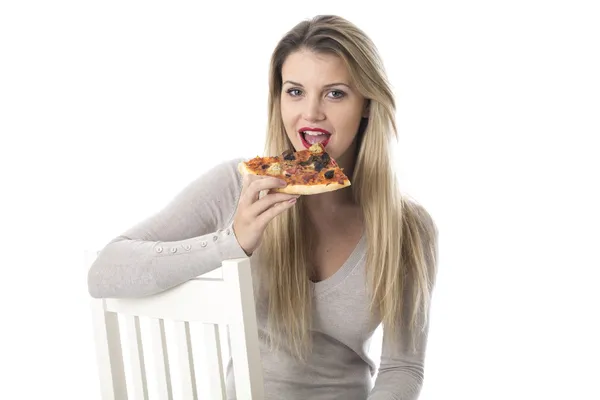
point(315, 139)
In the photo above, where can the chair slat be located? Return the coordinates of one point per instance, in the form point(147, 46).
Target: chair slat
point(243, 332)
point(113, 385)
point(161, 356)
point(186, 360)
point(214, 357)
point(227, 337)
point(138, 368)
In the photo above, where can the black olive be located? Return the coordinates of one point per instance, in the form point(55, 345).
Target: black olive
point(264, 166)
point(319, 166)
point(325, 157)
point(289, 157)
point(329, 174)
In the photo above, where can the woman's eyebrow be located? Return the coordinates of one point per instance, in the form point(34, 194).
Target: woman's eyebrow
point(326, 86)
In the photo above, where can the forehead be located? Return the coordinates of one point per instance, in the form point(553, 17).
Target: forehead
point(310, 68)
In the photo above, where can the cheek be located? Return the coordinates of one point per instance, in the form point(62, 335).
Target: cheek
point(289, 118)
point(347, 124)
point(288, 127)
point(285, 114)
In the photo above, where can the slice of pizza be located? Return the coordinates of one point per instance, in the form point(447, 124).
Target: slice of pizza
point(306, 172)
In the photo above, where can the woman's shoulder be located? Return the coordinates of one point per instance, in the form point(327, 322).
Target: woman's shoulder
point(419, 222)
point(416, 212)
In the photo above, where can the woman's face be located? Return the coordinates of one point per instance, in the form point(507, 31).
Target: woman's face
point(318, 104)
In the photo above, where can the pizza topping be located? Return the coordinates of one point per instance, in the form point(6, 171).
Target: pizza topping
point(308, 176)
point(316, 148)
point(314, 160)
point(274, 169)
point(264, 166)
point(329, 174)
point(288, 155)
point(318, 166)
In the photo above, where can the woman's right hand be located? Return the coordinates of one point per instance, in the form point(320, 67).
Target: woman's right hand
point(254, 214)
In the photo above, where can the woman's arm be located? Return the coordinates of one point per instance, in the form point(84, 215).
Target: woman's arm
point(401, 371)
point(191, 236)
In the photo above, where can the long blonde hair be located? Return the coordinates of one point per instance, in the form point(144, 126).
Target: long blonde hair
point(401, 236)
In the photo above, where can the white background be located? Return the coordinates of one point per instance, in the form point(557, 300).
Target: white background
point(108, 109)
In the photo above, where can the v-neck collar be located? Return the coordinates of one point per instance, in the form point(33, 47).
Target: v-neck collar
point(320, 287)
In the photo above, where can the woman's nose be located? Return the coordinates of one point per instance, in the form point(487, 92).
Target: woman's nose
point(313, 110)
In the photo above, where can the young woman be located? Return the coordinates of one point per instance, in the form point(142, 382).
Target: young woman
point(328, 268)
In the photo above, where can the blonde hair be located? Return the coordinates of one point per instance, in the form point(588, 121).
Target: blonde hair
point(401, 236)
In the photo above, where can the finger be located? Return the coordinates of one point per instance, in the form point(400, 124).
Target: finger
point(248, 196)
point(268, 201)
point(263, 219)
point(264, 184)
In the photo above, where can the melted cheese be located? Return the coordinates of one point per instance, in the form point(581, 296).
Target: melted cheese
point(274, 169)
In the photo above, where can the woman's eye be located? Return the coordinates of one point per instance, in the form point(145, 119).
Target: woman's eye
point(334, 94)
point(337, 94)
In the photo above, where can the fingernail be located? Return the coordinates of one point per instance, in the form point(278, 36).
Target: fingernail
point(282, 183)
point(292, 201)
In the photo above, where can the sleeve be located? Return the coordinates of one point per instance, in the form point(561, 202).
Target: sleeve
point(401, 370)
point(190, 236)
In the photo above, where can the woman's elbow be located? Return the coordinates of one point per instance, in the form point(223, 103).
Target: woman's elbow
point(120, 281)
point(97, 284)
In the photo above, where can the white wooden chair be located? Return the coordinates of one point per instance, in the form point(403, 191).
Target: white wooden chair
point(216, 303)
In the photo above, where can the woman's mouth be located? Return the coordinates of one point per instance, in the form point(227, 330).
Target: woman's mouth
point(312, 136)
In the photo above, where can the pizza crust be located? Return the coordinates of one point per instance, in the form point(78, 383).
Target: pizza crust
point(312, 189)
point(299, 189)
point(243, 169)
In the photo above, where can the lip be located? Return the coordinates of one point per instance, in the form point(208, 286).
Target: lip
point(304, 129)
